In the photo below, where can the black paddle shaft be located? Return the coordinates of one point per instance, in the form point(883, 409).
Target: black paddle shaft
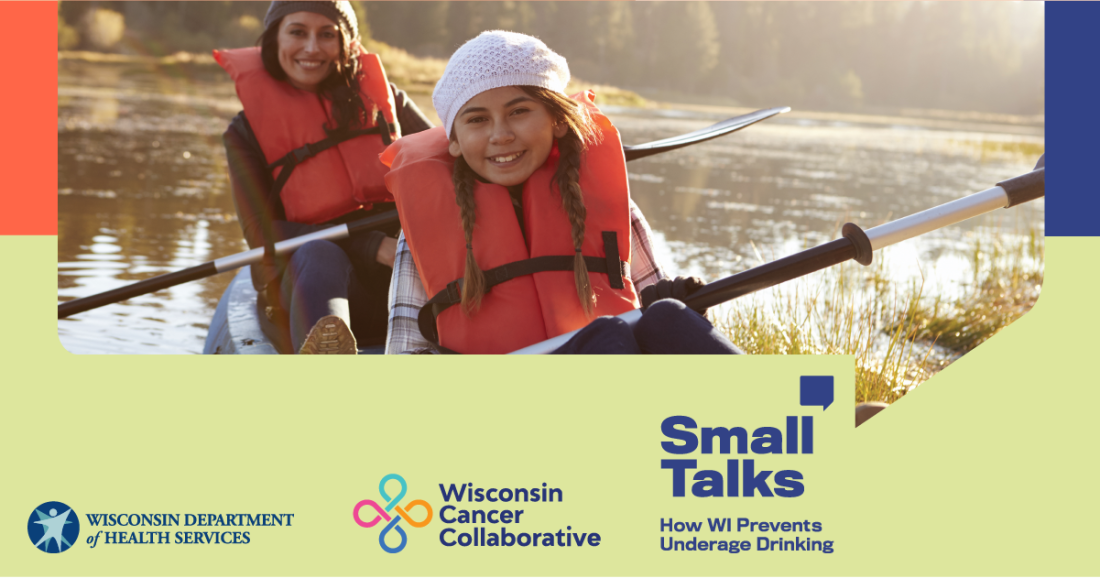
point(783, 270)
point(853, 245)
point(704, 134)
point(140, 288)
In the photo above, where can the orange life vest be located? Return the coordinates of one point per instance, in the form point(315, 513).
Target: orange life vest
point(518, 310)
point(289, 123)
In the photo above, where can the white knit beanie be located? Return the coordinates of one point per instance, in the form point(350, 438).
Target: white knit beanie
point(494, 59)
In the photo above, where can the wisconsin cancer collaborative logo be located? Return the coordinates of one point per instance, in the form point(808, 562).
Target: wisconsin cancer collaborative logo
point(383, 513)
point(53, 527)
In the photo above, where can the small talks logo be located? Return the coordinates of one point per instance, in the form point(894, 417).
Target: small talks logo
point(391, 504)
point(53, 527)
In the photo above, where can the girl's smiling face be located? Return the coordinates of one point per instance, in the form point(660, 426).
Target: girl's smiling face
point(309, 46)
point(505, 135)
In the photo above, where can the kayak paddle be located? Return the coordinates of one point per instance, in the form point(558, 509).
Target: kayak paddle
point(344, 231)
point(855, 244)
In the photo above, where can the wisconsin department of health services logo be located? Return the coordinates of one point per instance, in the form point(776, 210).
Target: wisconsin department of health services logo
point(53, 527)
point(391, 504)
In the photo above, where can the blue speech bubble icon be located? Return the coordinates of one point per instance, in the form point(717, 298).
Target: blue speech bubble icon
point(817, 390)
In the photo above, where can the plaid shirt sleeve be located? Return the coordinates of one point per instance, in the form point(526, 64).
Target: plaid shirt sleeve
point(644, 269)
point(407, 296)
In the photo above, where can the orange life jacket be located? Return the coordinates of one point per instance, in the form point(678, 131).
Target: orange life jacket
point(289, 123)
point(533, 296)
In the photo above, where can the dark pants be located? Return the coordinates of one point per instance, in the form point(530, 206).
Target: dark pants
point(666, 327)
point(320, 280)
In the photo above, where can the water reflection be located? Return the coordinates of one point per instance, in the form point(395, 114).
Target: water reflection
point(785, 185)
point(142, 190)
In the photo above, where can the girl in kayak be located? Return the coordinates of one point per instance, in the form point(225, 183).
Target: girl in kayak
point(519, 223)
point(302, 157)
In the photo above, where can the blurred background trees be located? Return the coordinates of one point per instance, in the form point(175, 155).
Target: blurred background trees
point(852, 56)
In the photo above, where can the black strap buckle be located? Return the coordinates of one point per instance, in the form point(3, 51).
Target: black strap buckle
point(614, 264)
point(303, 153)
point(454, 291)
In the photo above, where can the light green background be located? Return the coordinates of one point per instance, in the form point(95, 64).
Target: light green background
point(987, 469)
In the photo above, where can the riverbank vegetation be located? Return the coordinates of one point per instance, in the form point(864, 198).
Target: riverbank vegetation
point(874, 57)
point(901, 333)
point(415, 75)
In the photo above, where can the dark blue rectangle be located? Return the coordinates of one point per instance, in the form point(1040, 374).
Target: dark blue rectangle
point(1073, 118)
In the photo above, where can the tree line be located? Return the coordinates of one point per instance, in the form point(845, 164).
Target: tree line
point(985, 56)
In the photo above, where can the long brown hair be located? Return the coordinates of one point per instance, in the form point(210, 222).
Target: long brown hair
point(341, 87)
point(581, 134)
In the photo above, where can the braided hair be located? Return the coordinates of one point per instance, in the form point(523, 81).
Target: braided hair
point(341, 87)
point(473, 280)
point(581, 134)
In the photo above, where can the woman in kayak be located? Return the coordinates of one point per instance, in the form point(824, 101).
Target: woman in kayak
point(302, 156)
point(519, 223)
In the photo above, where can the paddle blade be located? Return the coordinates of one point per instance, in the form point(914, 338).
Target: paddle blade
point(704, 134)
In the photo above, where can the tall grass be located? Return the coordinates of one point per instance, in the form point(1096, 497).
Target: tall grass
point(899, 333)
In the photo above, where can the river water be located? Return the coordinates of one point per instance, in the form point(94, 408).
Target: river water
point(143, 190)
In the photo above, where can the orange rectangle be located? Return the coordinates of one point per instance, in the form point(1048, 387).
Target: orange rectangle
point(28, 149)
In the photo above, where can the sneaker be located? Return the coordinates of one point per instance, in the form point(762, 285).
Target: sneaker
point(329, 336)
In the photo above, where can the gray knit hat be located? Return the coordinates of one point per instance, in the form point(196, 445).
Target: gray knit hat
point(494, 59)
point(339, 12)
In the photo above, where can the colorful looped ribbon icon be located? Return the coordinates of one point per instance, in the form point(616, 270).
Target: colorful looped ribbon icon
point(391, 505)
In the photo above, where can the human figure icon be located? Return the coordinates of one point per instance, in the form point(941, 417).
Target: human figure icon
point(53, 525)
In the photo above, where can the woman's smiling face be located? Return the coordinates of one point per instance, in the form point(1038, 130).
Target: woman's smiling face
point(309, 46)
point(505, 135)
